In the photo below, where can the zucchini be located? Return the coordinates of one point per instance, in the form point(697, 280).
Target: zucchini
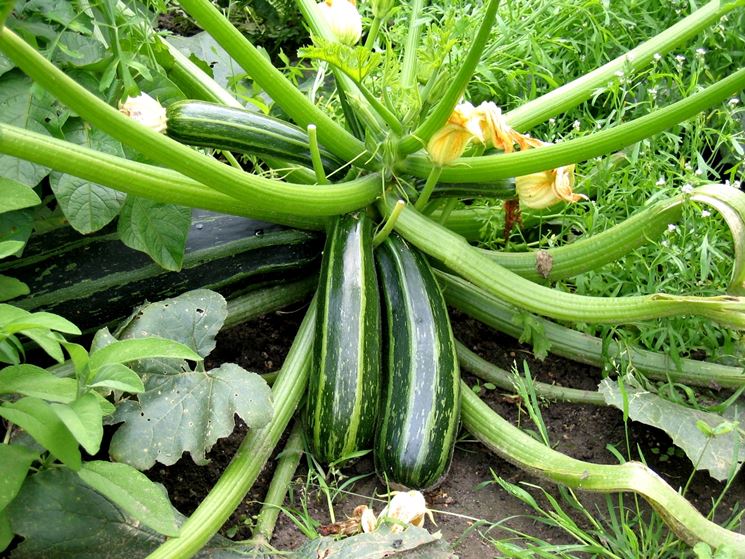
point(96, 280)
point(420, 410)
point(344, 381)
point(199, 123)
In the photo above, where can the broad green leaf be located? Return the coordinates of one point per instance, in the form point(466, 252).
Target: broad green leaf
point(6, 531)
point(210, 57)
point(31, 380)
point(87, 206)
point(77, 50)
point(193, 318)
point(188, 412)
point(5, 64)
point(16, 225)
point(159, 230)
point(37, 418)
point(84, 419)
point(21, 105)
point(61, 517)
point(117, 377)
point(51, 342)
point(16, 196)
point(355, 62)
point(413, 543)
point(101, 339)
point(132, 492)
point(15, 461)
point(78, 356)
point(10, 288)
point(124, 351)
point(41, 320)
point(720, 455)
point(55, 11)
point(9, 248)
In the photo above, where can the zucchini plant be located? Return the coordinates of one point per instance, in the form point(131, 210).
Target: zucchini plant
point(403, 154)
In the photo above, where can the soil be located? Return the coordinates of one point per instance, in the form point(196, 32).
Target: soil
point(470, 508)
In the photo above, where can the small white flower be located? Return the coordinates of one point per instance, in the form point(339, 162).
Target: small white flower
point(733, 102)
point(619, 73)
point(687, 188)
point(552, 121)
point(661, 181)
point(700, 52)
point(652, 92)
point(145, 110)
point(737, 184)
point(699, 172)
point(705, 213)
point(672, 228)
point(657, 56)
point(665, 243)
point(679, 58)
point(576, 124)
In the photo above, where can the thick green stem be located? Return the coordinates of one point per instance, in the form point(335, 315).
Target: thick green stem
point(372, 33)
point(250, 457)
point(455, 253)
point(262, 194)
point(527, 453)
point(490, 167)
point(585, 348)
point(139, 179)
point(279, 88)
point(268, 299)
point(280, 484)
point(315, 155)
point(408, 66)
point(444, 108)
point(489, 372)
point(429, 187)
point(572, 94)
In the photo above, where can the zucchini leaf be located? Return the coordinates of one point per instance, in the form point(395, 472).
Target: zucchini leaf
point(721, 455)
point(158, 230)
point(355, 62)
point(60, 516)
point(16, 196)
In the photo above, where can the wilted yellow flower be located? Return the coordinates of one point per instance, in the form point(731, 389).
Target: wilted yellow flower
point(450, 141)
point(404, 508)
point(495, 129)
point(343, 19)
point(544, 189)
point(145, 110)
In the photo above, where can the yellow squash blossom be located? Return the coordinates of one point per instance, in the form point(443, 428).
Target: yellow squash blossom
point(450, 141)
point(343, 20)
point(544, 189)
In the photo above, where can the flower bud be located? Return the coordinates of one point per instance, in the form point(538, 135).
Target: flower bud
point(544, 189)
point(343, 19)
point(145, 110)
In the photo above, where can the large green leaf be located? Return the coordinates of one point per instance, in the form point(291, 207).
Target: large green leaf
point(61, 517)
point(37, 418)
point(124, 351)
point(10, 288)
point(133, 492)
point(721, 455)
point(209, 56)
point(15, 461)
point(21, 105)
point(188, 412)
point(16, 225)
point(117, 377)
point(84, 419)
point(159, 230)
point(31, 380)
point(16, 196)
point(87, 206)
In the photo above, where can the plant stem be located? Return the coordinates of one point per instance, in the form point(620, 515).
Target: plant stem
point(572, 94)
point(287, 463)
point(139, 179)
point(475, 365)
point(390, 119)
point(315, 155)
point(455, 253)
point(442, 111)
point(490, 167)
point(268, 299)
point(585, 348)
point(271, 80)
point(520, 449)
point(389, 224)
point(250, 457)
point(262, 194)
point(429, 186)
point(408, 66)
point(372, 33)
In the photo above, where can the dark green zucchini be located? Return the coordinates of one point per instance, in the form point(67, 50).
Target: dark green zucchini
point(96, 280)
point(420, 409)
point(344, 381)
point(199, 123)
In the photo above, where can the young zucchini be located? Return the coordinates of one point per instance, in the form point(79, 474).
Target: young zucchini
point(344, 384)
point(199, 123)
point(420, 410)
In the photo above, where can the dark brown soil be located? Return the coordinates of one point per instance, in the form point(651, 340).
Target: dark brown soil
point(467, 505)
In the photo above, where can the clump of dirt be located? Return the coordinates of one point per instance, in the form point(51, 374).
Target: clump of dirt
point(469, 506)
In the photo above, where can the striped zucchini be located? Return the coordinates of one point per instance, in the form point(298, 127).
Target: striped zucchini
point(96, 280)
point(199, 123)
point(421, 406)
point(344, 383)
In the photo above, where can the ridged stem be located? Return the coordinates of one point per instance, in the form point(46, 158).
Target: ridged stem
point(572, 94)
point(585, 348)
point(139, 179)
point(489, 372)
point(271, 80)
point(262, 194)
point(455, 253)
point(250, 457)
point(408, 65)
point(450, 97)
point(527, 453)
point(490, 167)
